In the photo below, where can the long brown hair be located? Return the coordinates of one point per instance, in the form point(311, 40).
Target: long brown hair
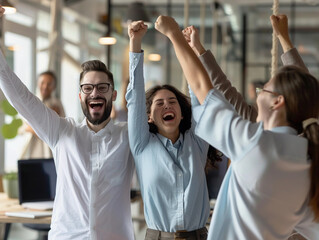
point(301, 93)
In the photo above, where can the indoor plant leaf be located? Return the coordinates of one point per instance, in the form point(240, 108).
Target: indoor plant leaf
point(7, 108)
point(9, 131)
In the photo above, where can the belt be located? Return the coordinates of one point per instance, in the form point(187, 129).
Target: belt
point(176, 235)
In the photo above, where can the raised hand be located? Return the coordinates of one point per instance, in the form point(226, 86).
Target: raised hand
point(1, 11)
point(136, 31)
point(191, 35)
point(167, 26)
point(280, 26)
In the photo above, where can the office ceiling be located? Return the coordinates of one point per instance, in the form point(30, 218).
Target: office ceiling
point(303, 16)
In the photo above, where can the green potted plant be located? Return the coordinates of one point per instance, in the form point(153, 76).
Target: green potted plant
point(10, 184)
point(10, 131)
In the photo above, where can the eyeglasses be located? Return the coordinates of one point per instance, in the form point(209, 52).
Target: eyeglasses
point(259, 90)
point(87, 88)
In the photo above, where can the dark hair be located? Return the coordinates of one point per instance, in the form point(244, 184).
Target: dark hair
point(301, 93)
point(213, 156)
point(50, 73)
point(95, 65)
point(183, 101)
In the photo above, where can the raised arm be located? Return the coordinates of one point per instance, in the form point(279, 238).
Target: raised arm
point(43, 120)
point(291, 55)
point(136, 32)
point(217, 76)
point(138, 128)
point(280, 26)
point(194, 71)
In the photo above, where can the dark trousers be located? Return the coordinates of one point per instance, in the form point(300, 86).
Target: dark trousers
point(199, 234)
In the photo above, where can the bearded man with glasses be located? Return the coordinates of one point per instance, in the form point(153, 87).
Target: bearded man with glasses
point(92, 158)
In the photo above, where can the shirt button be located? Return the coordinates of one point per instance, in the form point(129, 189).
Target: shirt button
point(179, 174)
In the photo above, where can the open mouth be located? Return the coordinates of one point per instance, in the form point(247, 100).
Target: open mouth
point(168, 116)
point(96, 105)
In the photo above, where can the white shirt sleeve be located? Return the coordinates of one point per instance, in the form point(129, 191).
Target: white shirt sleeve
point(43, 120)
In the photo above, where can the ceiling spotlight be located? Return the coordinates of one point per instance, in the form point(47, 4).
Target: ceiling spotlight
point(107, 40)
point(154, 57)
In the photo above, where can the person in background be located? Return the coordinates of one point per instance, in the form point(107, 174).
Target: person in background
point(35, 147)
point(93, 161)
point(272, 185)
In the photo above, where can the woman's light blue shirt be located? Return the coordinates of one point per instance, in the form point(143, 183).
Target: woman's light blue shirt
point(171, 176)
point(264, 194)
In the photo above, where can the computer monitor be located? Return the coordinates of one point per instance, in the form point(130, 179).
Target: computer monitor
point(37, 180)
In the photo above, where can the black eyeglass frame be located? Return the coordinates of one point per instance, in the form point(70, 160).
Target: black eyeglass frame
point(109, 85)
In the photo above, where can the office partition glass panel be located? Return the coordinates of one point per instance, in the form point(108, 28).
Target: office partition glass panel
point(42, 54)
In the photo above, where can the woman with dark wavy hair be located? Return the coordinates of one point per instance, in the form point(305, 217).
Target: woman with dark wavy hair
point(182, 100)
point(170, 159)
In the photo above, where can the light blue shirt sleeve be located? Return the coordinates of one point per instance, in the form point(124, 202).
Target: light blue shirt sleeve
point(194, 102)
point(221, 126)
point(138, 128)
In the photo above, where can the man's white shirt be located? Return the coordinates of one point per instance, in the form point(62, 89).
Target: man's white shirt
point(94, 170)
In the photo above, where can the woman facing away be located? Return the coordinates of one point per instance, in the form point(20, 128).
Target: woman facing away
point(272, 185)
point(169, 157)
point(219, 79)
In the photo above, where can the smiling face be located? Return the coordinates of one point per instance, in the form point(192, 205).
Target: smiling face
point(166, 113)
point(97, 106)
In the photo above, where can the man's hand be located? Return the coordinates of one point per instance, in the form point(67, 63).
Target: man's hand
point(136, 30)
point(1, 11)
point(167, 26)
point(191, 35)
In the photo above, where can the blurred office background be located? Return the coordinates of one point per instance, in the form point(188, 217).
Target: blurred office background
point(60, 35)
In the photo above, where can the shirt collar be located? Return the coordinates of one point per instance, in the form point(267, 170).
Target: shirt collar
point(108, 129)
point(166, 142)
point(285, 129)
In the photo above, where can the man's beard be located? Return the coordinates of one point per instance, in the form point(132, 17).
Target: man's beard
point(106, 114)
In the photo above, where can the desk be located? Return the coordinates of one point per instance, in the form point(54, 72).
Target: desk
point(12, 205)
